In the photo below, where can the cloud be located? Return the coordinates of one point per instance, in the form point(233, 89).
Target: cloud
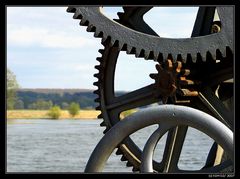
point(26, 36)
point(48, 27)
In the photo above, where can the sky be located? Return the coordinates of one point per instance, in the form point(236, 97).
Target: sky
point(47, 48)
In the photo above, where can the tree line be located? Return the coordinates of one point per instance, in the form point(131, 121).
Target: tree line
point(39, 99)
point(12, 86)
point(18, 98)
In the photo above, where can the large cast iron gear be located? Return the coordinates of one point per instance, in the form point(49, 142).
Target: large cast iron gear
point(110, 105)
point(157, 47)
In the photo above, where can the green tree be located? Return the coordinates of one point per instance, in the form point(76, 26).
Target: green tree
point(74, 109)
point(12, 86)
point(54, 112)
point(19, 104)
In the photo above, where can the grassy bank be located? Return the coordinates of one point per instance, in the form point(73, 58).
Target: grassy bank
point(42, 114)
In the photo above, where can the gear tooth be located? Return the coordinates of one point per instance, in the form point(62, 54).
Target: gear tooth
point(135, 169)
point(194, 58)
point(129, 49)
point(101, 51)
point(185, 72)
point(129, 164)
point(98, 34)
point(91, 28)
point(184, 58)
point(102, 124)
point(96, 83)
point(112, 41)
point(120, 15)
point(174, 57)
point(204, 57)
point(71, 9)
point(137, 53)
point(119, 152)
point(99, 59)
point(100, 116)
point(97, 75)
point(120, 44)
point(96, 92)
point(153, 75)
point(229, 52)
point(97, 100)
point(98, 108)
point(123, 158)
point(212, 53)
point(146, 54)
point(186, 82)
point(84, 22)
point(155, 58)
point(77, 16)
point(165, 56)
point(105, 131)
point(98, 67)
point(224, 52)
point(105, 39)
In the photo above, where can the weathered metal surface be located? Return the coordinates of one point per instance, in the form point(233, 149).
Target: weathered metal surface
point(203, 66)
point(171, 79)
point(157, 47)
point(169, 116)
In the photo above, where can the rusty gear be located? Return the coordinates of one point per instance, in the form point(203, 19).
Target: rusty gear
point(170, 79)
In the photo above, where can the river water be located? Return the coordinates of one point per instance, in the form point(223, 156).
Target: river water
point(41, 145)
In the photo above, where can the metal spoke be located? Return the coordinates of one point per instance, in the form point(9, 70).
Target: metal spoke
point(147, 156)
point(182, 116)
point(137, 98)
point(203, 21)
point(217, 107)
point(173, 148)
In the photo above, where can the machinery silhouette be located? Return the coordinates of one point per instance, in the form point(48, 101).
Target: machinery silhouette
point(193, 83)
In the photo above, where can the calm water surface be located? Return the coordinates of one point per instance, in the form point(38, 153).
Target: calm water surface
point(65, 146)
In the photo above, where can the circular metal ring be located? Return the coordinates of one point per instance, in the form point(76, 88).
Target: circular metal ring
point(172, 115)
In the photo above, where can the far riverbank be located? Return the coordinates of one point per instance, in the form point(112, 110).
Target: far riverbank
point(42, 114)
